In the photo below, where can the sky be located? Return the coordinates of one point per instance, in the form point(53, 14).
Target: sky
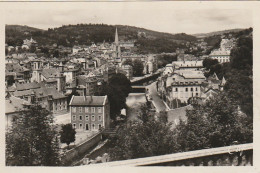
point(158, 16)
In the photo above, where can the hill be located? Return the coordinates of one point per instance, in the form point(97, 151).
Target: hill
point(22, 28)
point(202, 35)
point(70, 35)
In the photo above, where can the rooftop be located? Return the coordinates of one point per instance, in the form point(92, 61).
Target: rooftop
point(88, 100)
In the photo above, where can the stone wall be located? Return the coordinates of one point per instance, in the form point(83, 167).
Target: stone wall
point(81, 149)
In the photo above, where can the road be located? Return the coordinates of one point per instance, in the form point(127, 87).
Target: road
point(157, 101)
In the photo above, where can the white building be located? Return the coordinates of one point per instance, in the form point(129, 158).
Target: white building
point(221, 55)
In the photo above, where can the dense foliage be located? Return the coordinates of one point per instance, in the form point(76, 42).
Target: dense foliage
point(142, 138)
point(137, 65)
point(70, 35)
point(67, 134)
point(238, 73)
point(158, 45)
point(163, 60)
point(214, 124)
point(208, 63)
point(32, 139)
point(117, 89)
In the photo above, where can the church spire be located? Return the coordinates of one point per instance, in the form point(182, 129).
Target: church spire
point(116, 38)
point(223, 82)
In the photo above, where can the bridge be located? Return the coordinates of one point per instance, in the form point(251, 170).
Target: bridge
point(138, 89)
point(145, 80)
point(235, 155)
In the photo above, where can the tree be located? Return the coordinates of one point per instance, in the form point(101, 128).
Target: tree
point(117, 89)
point(32, 48)
point(208, 63)
point(138, 67)
point(242, 56)
point(216, 123)
point(67, 134)
point(32, 139)
point(142, 139)
point(128, 62)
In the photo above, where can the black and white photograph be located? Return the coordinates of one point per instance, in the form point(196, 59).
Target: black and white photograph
point(128, 84)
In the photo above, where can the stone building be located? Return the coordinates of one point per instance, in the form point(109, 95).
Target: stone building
point(90, 113)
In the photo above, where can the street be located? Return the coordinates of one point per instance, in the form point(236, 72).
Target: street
point(156, 100)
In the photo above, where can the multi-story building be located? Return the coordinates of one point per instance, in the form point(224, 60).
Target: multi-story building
point(90, 113)
point(221, 55)
point(88, 83)
point(183, 91)
point(48, 98)
point(188, 65)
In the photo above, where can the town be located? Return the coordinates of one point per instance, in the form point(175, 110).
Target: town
point(98, 103)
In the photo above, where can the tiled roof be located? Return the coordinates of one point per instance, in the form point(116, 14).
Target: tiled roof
point(88, 100)
point(40, 92)
point(15, 67)
point(44, 92)
point(14, 104)
point(52, 72)
point(27, 86)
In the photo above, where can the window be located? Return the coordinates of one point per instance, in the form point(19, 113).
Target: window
point(74, 118)
point(74, 125)
point(80, 109)
point(191, 89)
point(197, 94)
point(186, 89)
point(99, 110)
point(80, 126)
point(87, 128)
point(87, 118)
point(176, 89)
point(93, 126)
point(93, 110)
point(99, 126)
point(80, 118)
point(86, 109)
point(73, 109)
point(93, 117)
point(196, 89)
point(99, 118)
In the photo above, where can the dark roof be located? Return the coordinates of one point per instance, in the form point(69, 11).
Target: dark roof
point(27, 86)
point(15, 67)
point(44, 92)
point(88, 100)
point(52, 72)
point(40, 92)
point(14, 104)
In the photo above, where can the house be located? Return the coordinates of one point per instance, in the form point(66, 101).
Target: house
point(20, 74)
point(188, 65)
point(90, 113)
point(54, 78)
point(13, 108)
point(48, 98)
point(88, 83)
point(221, 55)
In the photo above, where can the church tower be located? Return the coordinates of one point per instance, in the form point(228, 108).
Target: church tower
point(37, 67)
point(117, 50)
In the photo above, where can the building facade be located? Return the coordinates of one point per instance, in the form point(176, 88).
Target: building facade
point(90, 113)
